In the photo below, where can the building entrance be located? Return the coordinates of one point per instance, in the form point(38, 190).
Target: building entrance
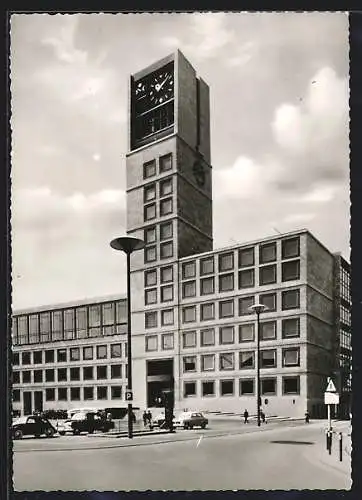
point(27, 406)
point(159, 379)
point(38, 401)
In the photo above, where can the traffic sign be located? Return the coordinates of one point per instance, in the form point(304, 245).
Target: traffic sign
point(330, 387)
point(129, 395)
point(331, 398)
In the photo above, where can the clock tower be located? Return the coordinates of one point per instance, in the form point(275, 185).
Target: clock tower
point(169, 194)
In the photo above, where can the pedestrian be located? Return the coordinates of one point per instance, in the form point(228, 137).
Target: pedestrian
point(262, 416)
point(246, 416)
point(145, 418)
point(307, 417)
point(149, 418)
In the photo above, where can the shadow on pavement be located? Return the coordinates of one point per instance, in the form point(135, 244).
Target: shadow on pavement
point(293, 442)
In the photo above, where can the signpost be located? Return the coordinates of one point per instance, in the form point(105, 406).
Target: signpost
point(331, 397)
point(129, 395)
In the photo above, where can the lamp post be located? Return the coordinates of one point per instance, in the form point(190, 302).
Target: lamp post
point(128, 245)
point(257, 309)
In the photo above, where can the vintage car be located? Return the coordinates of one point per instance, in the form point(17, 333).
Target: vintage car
point(190, 419)
point(32, 425)
point(85, 422)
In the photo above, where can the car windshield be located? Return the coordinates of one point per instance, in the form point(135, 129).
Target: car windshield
point(20, 420)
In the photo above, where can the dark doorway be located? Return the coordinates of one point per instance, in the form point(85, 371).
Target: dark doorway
point(27, 406)
point(159, 379)
point(38, 401)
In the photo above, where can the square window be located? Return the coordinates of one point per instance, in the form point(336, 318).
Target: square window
point(151, 277)
point(207, 286)
point(151, 319)
point(88, 352)
point(102, 392)
point(75, 373)
point(207, 311)
point(38, 357)
point(246, 278)
point(151, 343)
point(206, 266)
point(268, 358)
point(291, 357)
point(189, 364)
point(49, 356)
point(151, 296)
point(166, 231)
point(188, 289)
point(166, 274)
point(149, 169)
point(49, 375)
point(208, 362)
point(246, 387)
point(16, 377)
point(267, 275)
point(101, 351)
point(189, 314)
point(290, 248)
point(268, 330)
point(166, 293)
point(226, 261)
point(246, 360)
point(116, 350)
point(150, 254)
point(290, 270)
point(167, 341)
point(268, 386)
point(150, 235)
point(246, 332)
point(62, 374)
point(50, 394)
point(267, 253)
point(62, 355)
point(226, 361)
point(269, 300)
point(116, 371)
point(246, 257)
point(226, 309)
point(166, 250)
point(116, 392)
point(290, 327)
point(290, 299)
point(166, 163)
point(74, 354)
point(226, 387)
point(101, 372)
point(62, 394)
point(166, 206)
point(167, 317)
point(75, 393)
point(38, 376)
point(88, 393)
point(149, 193)
point(166, 187)
point(208, 388)
point(188, 270)
point(244, 305)
point(150, 211)
point(189, 339)
point(189, 389)
point(88, 373)
point(16, 395)
point(291, 385)
point(226, 282)
point(226, 335)
point(208, 337)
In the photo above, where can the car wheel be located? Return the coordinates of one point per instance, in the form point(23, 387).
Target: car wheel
point(18, 434)
point(105, 430)
point(62, 433)
point(76, 432)
point(186, 426)
point(90, 431)
point(203, 426)
point(49, 432)
point(191, 426)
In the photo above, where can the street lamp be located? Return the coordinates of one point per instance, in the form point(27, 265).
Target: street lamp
point(128, 244)
point(257, 309)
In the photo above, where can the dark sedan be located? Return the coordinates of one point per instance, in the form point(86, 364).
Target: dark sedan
point(32, 425)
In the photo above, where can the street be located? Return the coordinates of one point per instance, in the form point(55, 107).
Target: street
point(274, 457)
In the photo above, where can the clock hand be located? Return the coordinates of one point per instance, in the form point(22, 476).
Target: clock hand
point(159, 87)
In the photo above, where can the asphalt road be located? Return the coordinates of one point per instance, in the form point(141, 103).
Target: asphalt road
point(277, 457)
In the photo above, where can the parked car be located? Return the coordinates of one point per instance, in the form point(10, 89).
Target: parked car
point(85, 422)
point(32, 425)
point(190, 419)
point(159, 419)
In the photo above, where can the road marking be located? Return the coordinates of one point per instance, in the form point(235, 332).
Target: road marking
point(198, 442)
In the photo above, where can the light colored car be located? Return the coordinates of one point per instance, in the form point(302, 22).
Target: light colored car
point(64, 426)
point(190, 419)
point(158, 419)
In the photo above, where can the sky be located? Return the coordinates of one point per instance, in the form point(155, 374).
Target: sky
point(279, 135)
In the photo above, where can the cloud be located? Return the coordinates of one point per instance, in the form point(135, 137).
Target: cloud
point(64, 43)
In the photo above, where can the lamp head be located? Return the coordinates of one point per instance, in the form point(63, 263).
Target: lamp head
point(127, 244)
point(258, 308)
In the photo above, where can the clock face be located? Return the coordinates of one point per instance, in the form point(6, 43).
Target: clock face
point(154, 89)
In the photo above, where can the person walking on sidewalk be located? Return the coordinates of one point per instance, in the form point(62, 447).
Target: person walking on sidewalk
point(307, 417)
point(149, 418)
point(246, 416)
point(144, 418)
point(262, 416)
